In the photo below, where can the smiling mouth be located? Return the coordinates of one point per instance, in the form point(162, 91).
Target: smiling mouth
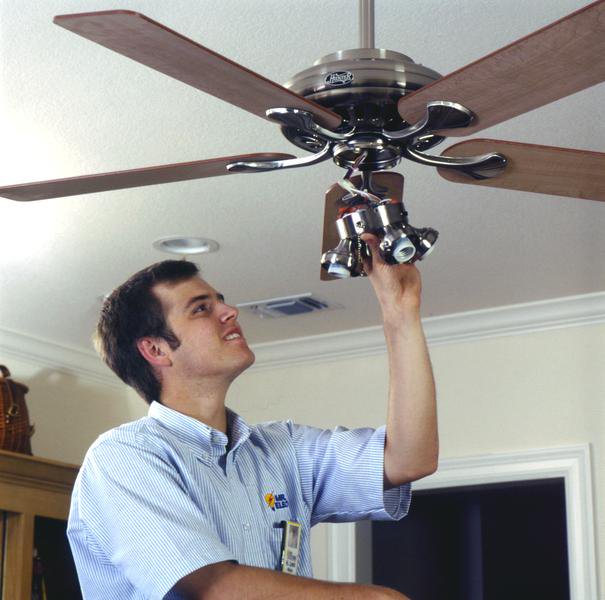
point(233, 336)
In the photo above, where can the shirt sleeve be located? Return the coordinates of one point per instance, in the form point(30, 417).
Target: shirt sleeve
point(132, 510)
point(342, 475)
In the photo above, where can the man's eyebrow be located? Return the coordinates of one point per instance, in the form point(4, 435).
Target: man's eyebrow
point(202, 297)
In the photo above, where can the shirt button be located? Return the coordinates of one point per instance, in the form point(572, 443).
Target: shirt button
point(246, 526)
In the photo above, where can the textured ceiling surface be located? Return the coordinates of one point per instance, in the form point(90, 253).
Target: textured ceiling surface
point(70, 107)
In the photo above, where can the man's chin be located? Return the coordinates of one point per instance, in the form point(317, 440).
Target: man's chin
point(251, 360)
point(246, 362)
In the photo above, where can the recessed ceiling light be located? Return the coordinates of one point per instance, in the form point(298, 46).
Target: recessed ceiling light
point(178, 244)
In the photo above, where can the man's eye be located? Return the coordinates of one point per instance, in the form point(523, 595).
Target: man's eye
point(200, 308)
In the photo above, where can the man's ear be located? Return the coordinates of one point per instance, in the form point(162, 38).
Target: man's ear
point(155, 351)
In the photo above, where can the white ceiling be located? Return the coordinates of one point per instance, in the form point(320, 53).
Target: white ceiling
point(70, 107)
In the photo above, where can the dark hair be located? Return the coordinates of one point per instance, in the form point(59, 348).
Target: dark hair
point(132, 311)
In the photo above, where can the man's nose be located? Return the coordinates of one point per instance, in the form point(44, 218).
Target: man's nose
point(228, 313)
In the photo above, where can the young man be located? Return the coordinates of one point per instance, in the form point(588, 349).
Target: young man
point(190, 501)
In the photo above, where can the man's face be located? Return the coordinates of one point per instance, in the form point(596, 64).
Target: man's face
point(212, 343)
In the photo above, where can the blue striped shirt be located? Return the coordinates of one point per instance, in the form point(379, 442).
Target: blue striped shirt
point(160, 497)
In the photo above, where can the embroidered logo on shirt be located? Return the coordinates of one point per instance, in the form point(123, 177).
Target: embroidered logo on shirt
point(276, 501)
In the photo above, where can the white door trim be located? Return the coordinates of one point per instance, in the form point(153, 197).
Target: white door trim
point(572, 463)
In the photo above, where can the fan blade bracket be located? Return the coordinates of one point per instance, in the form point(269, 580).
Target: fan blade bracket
point(305, 122)
point(259, 166)
point(439, 115)
point(568, 172)
point(119, 180)
point(483, 166)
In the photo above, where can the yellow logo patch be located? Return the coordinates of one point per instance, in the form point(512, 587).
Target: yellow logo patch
point(276, 501)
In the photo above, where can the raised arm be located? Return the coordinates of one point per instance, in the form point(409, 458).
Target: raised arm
point(412, 445)
point(226, 581)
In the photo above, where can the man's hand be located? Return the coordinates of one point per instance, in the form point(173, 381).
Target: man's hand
point(397, 287)
point(412, 446)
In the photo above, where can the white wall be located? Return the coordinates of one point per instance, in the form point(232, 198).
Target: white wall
point(68, 411)
point(503, 394)
point(509, 393)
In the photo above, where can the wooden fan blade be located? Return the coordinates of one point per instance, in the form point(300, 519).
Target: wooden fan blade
point(540, 169)
point(117, 180)
point(330, 236)
point(391, 182)
point(136, 36)
point(551, 63)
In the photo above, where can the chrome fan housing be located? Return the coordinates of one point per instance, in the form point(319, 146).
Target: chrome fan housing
point(361, 85)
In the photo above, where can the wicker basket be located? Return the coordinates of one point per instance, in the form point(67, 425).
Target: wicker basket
point(15, 430)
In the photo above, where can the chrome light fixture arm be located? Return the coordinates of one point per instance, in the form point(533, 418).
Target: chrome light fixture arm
point(273, 165)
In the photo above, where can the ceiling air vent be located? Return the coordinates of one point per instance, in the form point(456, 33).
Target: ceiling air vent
point(287, 306)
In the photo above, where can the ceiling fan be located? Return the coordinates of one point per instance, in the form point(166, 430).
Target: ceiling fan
point(367, 109)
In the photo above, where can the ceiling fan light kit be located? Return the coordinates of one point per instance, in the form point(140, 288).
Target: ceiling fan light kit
point(367, 109)
point(376, 209)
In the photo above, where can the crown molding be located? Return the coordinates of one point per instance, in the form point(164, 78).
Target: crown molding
point(79, 362)
point(516, 319)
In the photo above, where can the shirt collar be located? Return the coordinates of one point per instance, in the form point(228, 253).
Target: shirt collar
point(201, 436)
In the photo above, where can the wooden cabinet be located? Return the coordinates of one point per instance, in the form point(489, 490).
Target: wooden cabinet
point(34, 502)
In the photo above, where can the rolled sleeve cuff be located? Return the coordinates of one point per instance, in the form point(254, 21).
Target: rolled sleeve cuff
point(364, 495)
point(395, 502)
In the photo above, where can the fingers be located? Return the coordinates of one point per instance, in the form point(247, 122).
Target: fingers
point(372, 243)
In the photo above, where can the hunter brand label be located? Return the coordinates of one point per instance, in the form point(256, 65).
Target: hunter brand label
point(339, 78)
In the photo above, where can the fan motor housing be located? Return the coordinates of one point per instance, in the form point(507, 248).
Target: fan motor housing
point(362, 85)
